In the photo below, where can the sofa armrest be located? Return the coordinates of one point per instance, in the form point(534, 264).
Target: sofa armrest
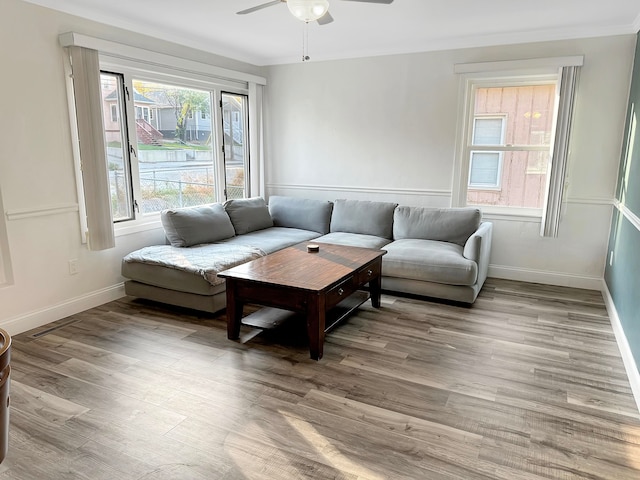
point(478, 249)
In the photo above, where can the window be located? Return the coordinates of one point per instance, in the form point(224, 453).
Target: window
point(501, 148)
point(117, 145)
point(235, 142)
point(486, 166)
point(117, 193)
point(514, 136)
point(169, 159)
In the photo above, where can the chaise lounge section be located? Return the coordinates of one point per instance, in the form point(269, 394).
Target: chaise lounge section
point(432, 252)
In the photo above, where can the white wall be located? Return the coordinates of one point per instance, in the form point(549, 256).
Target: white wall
point(384, 128)
point(37, 180)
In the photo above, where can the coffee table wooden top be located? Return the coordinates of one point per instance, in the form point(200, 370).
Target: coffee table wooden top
point(296, 268)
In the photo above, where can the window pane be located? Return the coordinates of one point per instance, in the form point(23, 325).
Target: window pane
point(515, 189)
point(117, 147)
point(517, 178)
point(487, 131)
point(234, 120)
point(485, 169)
point(175, 154)
point(528, 110)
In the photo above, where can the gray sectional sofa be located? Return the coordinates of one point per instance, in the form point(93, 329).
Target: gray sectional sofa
point(433, 252)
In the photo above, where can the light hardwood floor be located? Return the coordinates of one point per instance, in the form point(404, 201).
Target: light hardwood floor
point(526, 384)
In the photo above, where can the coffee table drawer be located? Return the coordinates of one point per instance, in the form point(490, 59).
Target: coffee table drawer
point(368, 272)
point(341, 291)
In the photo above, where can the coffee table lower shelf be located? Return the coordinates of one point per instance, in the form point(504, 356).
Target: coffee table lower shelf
point(270, 317)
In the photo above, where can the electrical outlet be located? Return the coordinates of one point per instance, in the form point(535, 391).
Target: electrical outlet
point(73, 266)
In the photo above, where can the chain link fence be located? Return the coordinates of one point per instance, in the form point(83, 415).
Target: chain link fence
point(171, 188)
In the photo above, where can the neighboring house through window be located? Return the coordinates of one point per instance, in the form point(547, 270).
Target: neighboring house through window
point(514, 137)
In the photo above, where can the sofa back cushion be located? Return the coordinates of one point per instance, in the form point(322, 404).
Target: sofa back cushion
point(189, 226)
point(362, 216)
point(302, 213)
point(453, 225)
point(248, 214)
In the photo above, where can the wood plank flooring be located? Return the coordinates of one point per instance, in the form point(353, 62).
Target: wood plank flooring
point(526, 384)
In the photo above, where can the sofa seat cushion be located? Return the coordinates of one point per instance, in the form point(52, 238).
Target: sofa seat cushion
point(191, 269)
point(272, 239)
point(430, 261)
point(353, 240)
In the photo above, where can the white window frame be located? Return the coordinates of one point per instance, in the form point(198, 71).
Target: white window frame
point(479, 186)
point(156, 66)
point(525, 72)
point(144, 220)
point(503, 126)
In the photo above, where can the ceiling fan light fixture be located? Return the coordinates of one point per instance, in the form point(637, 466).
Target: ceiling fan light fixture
point(308, 10)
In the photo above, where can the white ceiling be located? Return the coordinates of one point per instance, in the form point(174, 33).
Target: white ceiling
point(274, 36)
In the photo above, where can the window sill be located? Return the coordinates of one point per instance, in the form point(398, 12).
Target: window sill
point(532, 215)
point(143, 225)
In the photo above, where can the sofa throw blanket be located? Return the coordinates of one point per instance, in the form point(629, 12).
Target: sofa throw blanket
point(204, 260)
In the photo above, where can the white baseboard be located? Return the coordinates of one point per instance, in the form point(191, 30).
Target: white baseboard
point(623, 345)
point(548, 278)
point(37, 318)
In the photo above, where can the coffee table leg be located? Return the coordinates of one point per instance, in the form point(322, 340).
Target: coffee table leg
point(315, 326)
point(234, 311)
point(375, 288)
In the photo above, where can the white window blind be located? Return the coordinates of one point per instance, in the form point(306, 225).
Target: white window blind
point(86, 91)
point(553, 206)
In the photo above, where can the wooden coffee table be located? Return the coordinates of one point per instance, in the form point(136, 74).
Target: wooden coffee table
point(320, 285)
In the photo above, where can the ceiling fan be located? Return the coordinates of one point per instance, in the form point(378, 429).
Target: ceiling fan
point(308, 10)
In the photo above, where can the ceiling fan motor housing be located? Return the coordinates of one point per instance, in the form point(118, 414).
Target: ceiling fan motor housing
point(308, 10)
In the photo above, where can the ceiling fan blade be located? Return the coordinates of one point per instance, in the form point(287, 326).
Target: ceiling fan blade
point(326, 18)
point(386, 2)
point(259, 7)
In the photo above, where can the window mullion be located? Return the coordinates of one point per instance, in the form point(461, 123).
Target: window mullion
point(217, 136)
point(133, 143)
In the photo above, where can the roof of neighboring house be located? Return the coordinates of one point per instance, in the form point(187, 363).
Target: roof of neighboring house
point(137, 97)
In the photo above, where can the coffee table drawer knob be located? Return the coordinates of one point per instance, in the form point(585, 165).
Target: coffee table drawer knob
point(340, 291)
point(369, 272)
